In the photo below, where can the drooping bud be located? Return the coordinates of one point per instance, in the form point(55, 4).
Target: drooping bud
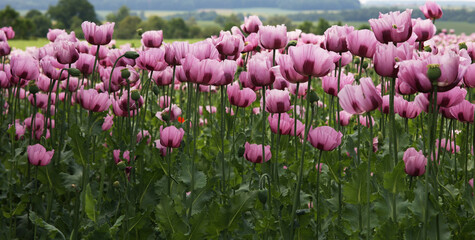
point(262, 195)
point(74, 72)
point(131, 54)
point(155, 90)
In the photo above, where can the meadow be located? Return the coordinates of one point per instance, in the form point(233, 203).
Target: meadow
point(262, 133)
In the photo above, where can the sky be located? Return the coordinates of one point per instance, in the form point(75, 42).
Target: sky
point(413, 1)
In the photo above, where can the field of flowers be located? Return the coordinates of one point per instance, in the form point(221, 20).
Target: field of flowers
point(257, 133)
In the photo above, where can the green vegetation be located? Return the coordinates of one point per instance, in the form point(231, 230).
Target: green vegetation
point(23, 44)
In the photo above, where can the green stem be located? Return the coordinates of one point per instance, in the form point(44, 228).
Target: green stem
point(370, 152)
point(296, 201)
point(195, 137)
point(317, 198)
point(392, 123)
point(223, 176)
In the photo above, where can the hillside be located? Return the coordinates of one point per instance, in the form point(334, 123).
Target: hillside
point(195, 4)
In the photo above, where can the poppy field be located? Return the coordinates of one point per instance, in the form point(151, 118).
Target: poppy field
point(258, 133)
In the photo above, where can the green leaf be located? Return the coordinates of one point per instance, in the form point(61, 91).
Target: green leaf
point(200, 200)
point(78, 143)
point(185, 175)
point(90, 205)
point(387, 231)
point(52, 230)
point(168, 218)
point(70, 179)
point(113, 230)
point(394, 181)
point(355, 191)
point(239, 204)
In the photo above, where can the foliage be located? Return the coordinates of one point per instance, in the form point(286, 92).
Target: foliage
point(66, 10)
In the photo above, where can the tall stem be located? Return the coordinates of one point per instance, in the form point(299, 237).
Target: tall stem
point(223, 176)
point(392, 122)
point(433, 108)
point(370, 152)
point(300, 173)
point(195, 137)
point(317, 195)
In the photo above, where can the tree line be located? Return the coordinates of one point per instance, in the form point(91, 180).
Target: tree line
point(189, 5)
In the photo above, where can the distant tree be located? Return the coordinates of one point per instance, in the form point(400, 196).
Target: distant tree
point(279, 19)
point(127, 28)
point(41, 23)
point(177, 28)
point(23, 27)
point(364, 26)
point(65, 10)
point(306, 27)
point(8, 16)
point(122, 13)
point(322, 26)
point(209, 31)
point(154, 23)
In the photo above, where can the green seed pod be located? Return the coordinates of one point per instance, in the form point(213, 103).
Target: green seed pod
point(33, 88)
point(433, 72)
point(135, 95)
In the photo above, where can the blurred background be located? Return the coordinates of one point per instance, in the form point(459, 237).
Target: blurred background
point(198, 19)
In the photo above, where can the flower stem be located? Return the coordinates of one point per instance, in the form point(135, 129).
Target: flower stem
point(296, 202)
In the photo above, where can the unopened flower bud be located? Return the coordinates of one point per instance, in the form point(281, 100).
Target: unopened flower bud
point(131, 54)
point(291, 43)
point(365, 65)
point(116, 184)
point(74, 72)
point(124, 73)
point(312, 96)
point(155, 90)
point(140, 31)
point(427, 49)
point(462, 45)
point(357, 61)
point(121, 165)
point(262, 195)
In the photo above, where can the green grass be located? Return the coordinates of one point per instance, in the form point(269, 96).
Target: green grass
point(23, 44)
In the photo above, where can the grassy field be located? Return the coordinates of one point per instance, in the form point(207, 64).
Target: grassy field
point(459, 27)
point(23, 44)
